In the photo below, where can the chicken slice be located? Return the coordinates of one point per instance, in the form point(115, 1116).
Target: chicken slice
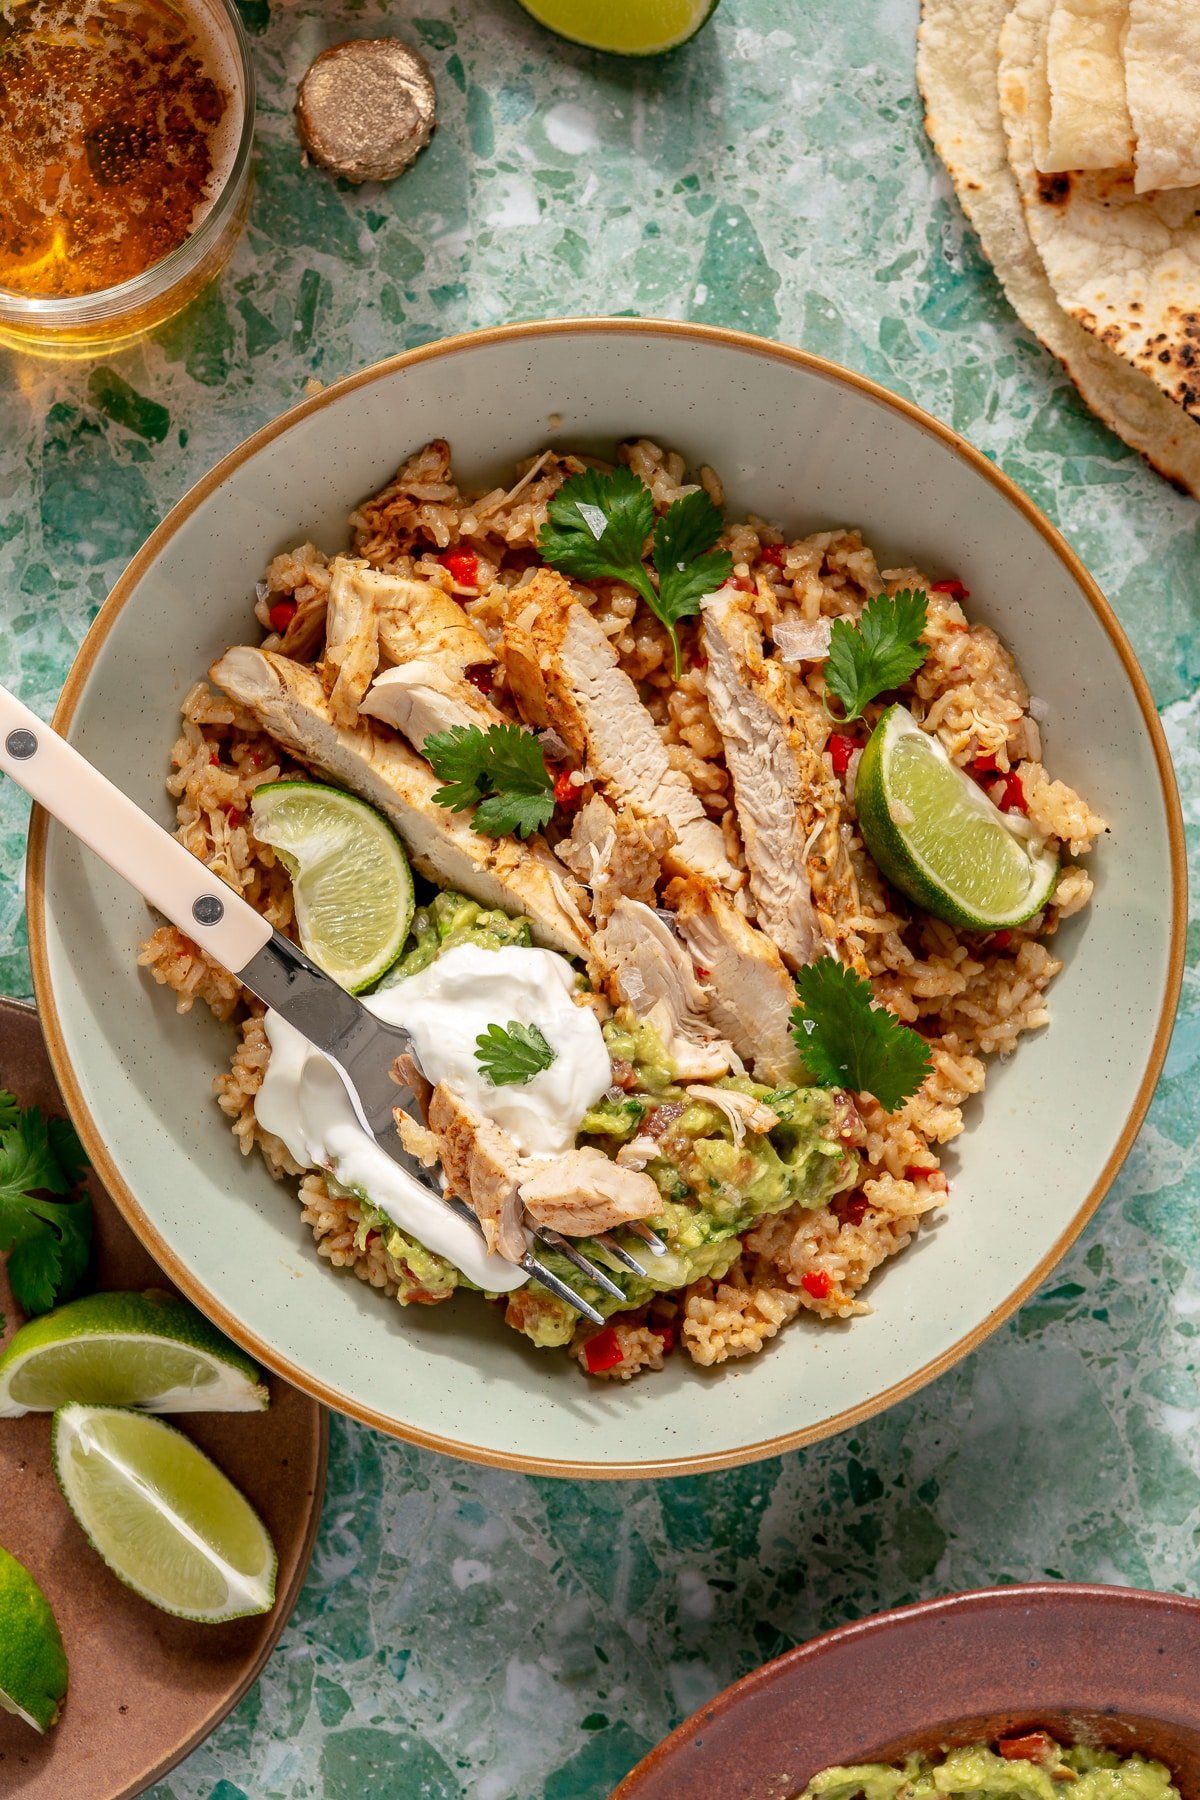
point(288, 701)
point(563, 673)
point(423, 696)
point(415, 618)
point(351, 641)
point(578, 1193)
point(482, 1166)
point(772, 765)
point(615, 854)
point(743, 1111)
point(650, 970)
point(749, 991)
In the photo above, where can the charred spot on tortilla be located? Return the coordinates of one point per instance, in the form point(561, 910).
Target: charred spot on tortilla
point(1054, 189)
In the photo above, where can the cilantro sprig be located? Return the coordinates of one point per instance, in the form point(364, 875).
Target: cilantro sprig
point(596, 528)
point(501, 772)
point(879, 652)
point(848, 1041)
point(511, 1054)
point(49, 1240)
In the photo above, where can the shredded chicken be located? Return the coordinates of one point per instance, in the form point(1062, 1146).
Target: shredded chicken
point(650, 970)
point(743, 1111)
point(615, 854)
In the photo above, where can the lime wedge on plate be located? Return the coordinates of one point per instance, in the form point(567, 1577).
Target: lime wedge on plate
point(145, 1350)
point(163, 1517)
point(628, 27)
point(939, 839)
point(351, 881)
point(33, 1663)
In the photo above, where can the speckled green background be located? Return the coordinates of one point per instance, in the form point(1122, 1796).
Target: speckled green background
point(472, 1632)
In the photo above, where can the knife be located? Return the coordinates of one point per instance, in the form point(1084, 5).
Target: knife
point(361, 1047)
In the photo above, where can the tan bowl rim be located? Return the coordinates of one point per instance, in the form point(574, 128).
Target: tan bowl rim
point(72, 694)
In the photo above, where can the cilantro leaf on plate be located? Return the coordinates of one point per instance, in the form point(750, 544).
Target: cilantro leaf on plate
point(878, 653)
point(511, 1054)
point(49, 1240)
point(597, 526)
point(688, 566)
point(501, 772)
point(848, 1041)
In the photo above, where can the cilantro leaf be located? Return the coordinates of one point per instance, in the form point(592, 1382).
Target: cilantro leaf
point(597, 526)
point(49, 1239)
point(878, 653)
point(688, 566)
point(501, 772)
point(513, 1053)
point(848, 1041)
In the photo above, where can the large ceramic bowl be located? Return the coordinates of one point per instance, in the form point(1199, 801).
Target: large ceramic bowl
point(1111, 1667)
point(797, 440)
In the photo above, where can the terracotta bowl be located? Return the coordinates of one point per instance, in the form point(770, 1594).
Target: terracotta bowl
point(794, 439)
point(1107, 1666)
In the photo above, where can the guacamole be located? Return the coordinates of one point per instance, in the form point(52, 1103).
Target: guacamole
point(450, 919)
point(1030, 1767)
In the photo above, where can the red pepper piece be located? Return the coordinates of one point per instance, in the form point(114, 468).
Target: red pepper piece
point(371, 1236)
point(745, 584)
point(918, 1172)
point(772, 555)
point(842, 745)
point(817, 1283)
point(984, 764)
point(955, 589)
point(1034, 1746)
point(1013, 797)
point(481, 676)
point(213, 758)
point(567, 793)
point(603, 1351)
point(1001, 940)
point(664, 1331)
point(234, 817)
point(852, 1211)
point(281, 615)
point(462, 566)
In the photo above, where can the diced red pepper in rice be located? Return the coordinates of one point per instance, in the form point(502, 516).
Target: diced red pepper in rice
point(281, 615)
point(772, 555)
point(481, 676)
point(567, 793)
point(462, 566)
point(955, 589)
point(983, 764)
point(1001, 940)
point(817, 1283)
point(745, 584)
point(233, 817)
point(603, 1351)
point(663, 1330)
point(842, 745)
point(1012, 799)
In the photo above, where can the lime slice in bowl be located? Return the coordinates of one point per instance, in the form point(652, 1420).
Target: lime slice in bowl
point(33, 1663)
point(939, 839)
point(351, 882)
point(163, 1517)
point(627, 27)
point(151, 1351)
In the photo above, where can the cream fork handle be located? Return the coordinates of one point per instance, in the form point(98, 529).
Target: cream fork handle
point(130, 842)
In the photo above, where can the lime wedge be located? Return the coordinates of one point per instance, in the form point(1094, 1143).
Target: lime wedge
point(163, 1517)
point(628, 27)
point(938, 838)
point(33, 1663)
point(145, 1350)
point(350, 877)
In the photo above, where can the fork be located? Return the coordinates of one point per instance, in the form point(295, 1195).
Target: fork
point(361, 1048)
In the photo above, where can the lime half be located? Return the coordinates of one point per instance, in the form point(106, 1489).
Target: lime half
point(628, 27)
point(163, 1517)
point(146, 1350)
point(33, 1663)
point(351, 881)
point(939, 839)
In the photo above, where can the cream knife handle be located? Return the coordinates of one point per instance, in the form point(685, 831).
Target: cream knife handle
point(108, 822)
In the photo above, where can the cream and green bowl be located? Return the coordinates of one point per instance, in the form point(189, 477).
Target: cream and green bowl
point(794, 439)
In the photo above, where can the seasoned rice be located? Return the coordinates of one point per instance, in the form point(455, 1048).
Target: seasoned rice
point(971, 997)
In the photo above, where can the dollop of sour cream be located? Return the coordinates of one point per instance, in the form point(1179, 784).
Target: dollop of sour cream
point(444, 1009)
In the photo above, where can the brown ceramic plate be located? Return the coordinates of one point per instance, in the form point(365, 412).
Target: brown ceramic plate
point(145, 1688)
point(1110, 1665)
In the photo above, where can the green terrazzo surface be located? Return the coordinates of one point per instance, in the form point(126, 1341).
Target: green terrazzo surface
point(467, 1631)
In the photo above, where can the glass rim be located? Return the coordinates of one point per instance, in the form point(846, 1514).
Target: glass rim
point(61, 311)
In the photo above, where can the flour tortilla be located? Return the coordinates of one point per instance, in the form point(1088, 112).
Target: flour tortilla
point(1039, 95)
point(1089, 126)
point(956, 68)
point(1162, 75)
point(1124, 266)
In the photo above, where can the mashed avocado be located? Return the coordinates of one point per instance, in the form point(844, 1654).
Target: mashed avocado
point(450, 919)
point(1049, 1772)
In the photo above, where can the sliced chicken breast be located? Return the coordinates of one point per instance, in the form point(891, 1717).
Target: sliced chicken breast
point(415, 618)
point(772, 765)
point(351, 641)
point(289, 702)
point(482, 1166)
point(650, 970)
point(615, 854)
point(749, 992)
point(563, 672)
point(423, 696)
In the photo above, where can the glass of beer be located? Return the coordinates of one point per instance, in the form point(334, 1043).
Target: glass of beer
point(126, 129)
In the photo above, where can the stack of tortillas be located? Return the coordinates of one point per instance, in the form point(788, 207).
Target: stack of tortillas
point(1071, 130)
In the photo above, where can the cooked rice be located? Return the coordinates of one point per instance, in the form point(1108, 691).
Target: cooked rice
point(971, 997)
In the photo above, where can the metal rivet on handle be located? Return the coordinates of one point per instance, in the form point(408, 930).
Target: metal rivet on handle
point(20, 745)
point(208, 910)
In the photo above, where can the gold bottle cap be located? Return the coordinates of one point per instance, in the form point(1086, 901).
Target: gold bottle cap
point(366, 108)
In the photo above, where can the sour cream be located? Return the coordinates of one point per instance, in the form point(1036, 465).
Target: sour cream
point(444, 1009)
